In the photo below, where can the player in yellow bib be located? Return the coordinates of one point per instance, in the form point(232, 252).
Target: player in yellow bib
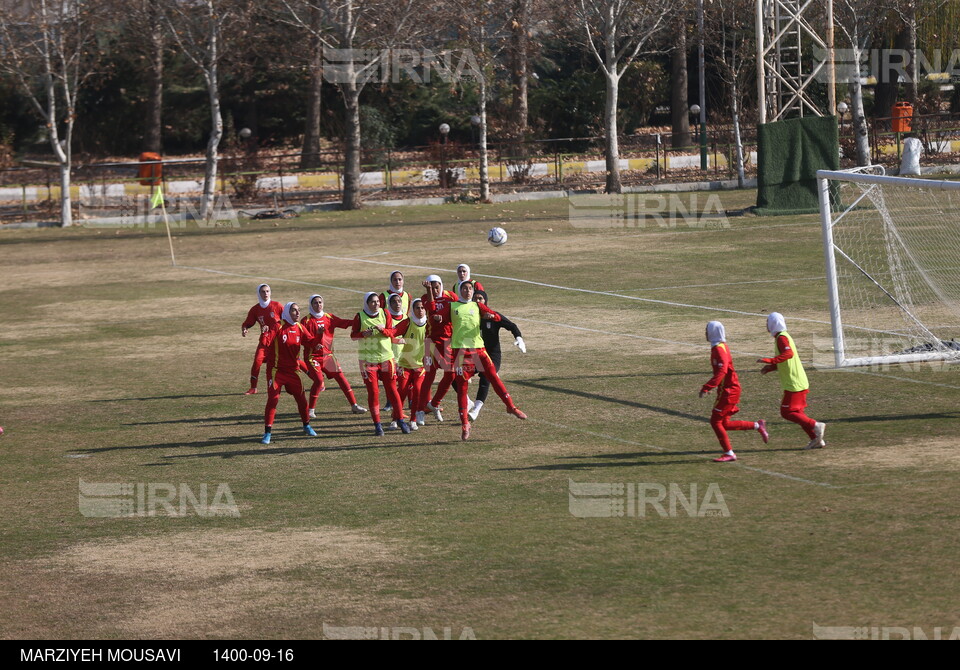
point(793, 380)
point(470, 356)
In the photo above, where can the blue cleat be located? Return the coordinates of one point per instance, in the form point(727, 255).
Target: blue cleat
point(378, 429)
point(266, 438)
point(308, 430)
point(404, 426)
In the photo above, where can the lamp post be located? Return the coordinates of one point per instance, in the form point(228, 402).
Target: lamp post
point(444, 131)
point(695, 112)
point(703, 90)
point(842, 109)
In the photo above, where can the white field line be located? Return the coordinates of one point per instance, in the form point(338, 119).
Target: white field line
point(731, 283)
point(770, 473)
point(576, 290)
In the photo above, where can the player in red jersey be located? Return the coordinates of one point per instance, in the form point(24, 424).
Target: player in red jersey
point(320, 326)
point(396, 288)
point(725, 380)
point(264, 314)
point(374, 328)
point(437, 355)
point(470, 356)
point(463, 274)
point(283, 341)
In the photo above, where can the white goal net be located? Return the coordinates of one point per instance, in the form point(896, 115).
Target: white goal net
point(892, 248)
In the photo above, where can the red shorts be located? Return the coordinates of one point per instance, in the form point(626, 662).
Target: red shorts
point(794, 401)
point(726, 404)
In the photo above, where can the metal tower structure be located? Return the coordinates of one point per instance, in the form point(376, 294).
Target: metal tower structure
point(794, 49)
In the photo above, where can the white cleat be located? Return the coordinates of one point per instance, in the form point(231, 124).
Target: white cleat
point(414, 426)
point(436, 412)
point(393, 426)
point(357, 409)
point(817, 442)
point(420, 418)
point(475, 411)
point(313, 414)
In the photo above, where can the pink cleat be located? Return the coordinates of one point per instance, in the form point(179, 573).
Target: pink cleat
point(762, 429)
point(516, 412)
point(465, 432)
point(252, 391)
point(726, 458)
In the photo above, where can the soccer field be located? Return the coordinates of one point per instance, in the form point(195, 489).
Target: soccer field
point(119, 368)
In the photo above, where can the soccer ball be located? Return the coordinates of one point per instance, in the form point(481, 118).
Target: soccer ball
point(497, 237)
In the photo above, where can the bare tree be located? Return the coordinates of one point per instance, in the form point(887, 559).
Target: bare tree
point(730, 29)
point(358, 35)
point(679, 85)
point(48, 50)
point(144, 34)
point(204, 31)
point(615, 31)
point(855, 20)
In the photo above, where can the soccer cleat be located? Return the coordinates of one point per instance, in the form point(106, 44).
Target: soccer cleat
point(323, 387)
point(312, 414)
point(815, 443)
point(266, 438)
point(404, 426)
point(413, 425)
point(392, 426)
point(726, 458)
point(387, 408)
point(357, 409)
point(378, 429)
point(420, 417)
point(819, 429)
point(516, 412)
point(475, 410)
point(465, 432)
point(309, 431)
point(762, 429)
point(252, 391)
point(436, 412)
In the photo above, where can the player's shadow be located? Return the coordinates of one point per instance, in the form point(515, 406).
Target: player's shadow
point(931, 416)
point(603, 398)
point(169, 397)
point(243, 419)
point(631, 459)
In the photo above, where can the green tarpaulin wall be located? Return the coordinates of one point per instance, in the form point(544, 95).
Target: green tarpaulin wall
point(789, 153)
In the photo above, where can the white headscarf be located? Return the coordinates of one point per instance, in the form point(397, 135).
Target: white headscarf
point(319, 314)
point(460, 298)
point(467, 268)
point(715, 333)
point(398, 314)
point(433, 278)
point(286, 313)
point(263, 303)
point(390, 288)
point(776, 323)
point(413, 316)
point(365, 308)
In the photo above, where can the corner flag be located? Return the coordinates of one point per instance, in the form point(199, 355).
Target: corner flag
point(157, 199)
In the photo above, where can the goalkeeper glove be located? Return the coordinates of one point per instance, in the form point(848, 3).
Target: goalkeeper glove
point(520, 343)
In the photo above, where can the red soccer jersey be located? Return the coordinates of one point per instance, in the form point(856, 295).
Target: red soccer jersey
point(283, 342)
point(724, 376)
point(443, 329)
point(322, 330)
point(783, 346)
point(265, 316)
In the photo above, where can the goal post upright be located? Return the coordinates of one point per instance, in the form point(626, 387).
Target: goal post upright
point(826, 222)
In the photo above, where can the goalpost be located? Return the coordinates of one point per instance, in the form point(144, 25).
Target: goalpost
point(892, 251)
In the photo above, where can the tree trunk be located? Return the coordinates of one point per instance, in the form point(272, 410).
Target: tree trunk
point(153, 135)
point(519, 56)
point(351, 167)
point(859, 121)
point(737, 140)
point(213, 143)
point(610, 127)
point(914, 80)
point(484, 157)
point(679, 89)
point(310, 152)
